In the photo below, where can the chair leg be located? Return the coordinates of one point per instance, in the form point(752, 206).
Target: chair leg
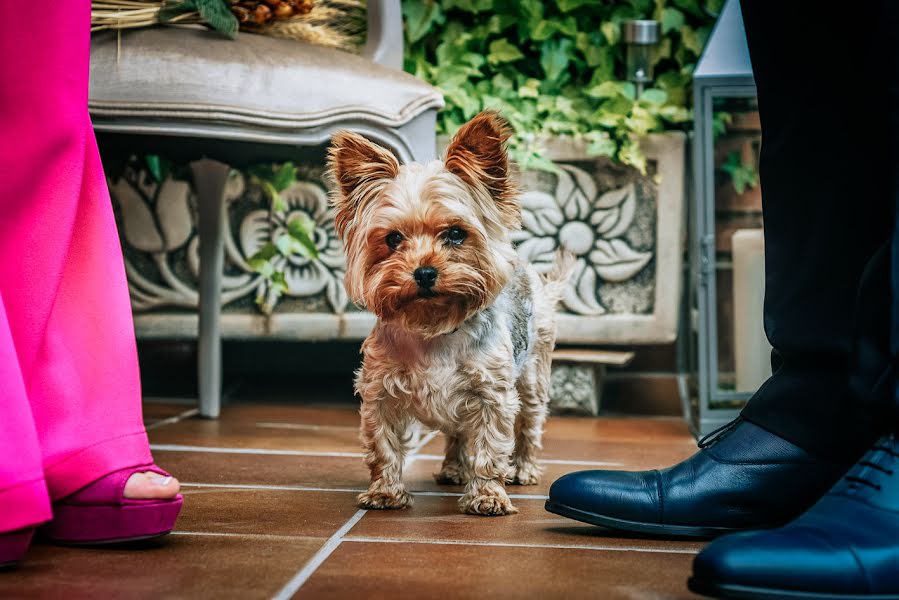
point(210, 177)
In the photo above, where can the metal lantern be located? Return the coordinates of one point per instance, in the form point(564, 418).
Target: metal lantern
point(641, 37)
point(724, 71)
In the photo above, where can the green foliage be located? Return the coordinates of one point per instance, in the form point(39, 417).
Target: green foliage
point(274, 179)
point(294, 237)
point(556, 67)
point(215, 14)
point(742, 175)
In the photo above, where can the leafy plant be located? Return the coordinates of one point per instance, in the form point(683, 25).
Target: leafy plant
point(294, 236)
point(556, 67)
point(742, 175)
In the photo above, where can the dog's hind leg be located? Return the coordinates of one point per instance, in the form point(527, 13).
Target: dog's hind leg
point(533, 391)
point(455, 468)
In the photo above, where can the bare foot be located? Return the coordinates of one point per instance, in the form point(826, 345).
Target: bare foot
point(151, 486)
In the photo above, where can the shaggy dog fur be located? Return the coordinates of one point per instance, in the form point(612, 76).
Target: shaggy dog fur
point(466, 352)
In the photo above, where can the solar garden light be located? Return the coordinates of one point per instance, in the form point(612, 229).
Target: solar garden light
point(641, 37)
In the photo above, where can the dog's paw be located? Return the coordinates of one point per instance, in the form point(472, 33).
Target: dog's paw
point(487, 504)
point(382, 499)
point(450, 475)
point(527, 474)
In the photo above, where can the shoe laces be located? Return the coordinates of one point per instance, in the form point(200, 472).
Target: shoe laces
point(714, 436)
point(859, 476)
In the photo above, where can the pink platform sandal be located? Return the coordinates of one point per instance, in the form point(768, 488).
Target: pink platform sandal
point(13, 546)
point(100, 514)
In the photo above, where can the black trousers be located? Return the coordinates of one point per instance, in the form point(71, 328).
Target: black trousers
point(828, 93)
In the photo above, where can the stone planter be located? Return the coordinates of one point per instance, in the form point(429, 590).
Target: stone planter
point(627, 231)
point(625, 228)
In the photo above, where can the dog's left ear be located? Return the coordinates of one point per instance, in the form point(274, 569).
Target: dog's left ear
point(478, 156)
point(360, 169)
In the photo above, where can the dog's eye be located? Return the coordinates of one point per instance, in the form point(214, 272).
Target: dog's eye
point(394, 239)
point(456, 235)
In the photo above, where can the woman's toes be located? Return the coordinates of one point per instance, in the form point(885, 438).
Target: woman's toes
point(149, 485)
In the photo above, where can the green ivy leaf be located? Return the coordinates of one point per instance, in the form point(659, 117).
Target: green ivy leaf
point(278, 204)
point(690, 6)
point(532, 11)
point(286, 244)
point(691, 40)
point(611, 31)
point(554, 57)
point(654, 96)
point(675, 86)
point(570, 5)
point(600, 144)
point(543, 31)
point(279, 282)
point(471, 6)
point(302, 230)
point(672, 20)
point(530, 89)
point(629, 154)
point(284, 176)
point(501, 51)
point(267, 252)
point(606, 89)
point(720, 121)
point(420, 17)
point(742, 175)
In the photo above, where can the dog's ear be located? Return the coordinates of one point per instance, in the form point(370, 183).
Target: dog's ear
point(478, 156)
point(359, 168)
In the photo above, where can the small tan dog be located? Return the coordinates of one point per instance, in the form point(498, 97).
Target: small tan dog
point(465, 331)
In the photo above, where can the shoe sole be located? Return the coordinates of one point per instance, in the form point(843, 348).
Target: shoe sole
point(77, 525)
point(656, 529)
point(109, 542)
point(742, 592)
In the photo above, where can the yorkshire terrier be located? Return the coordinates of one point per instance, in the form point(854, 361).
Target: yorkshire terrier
point(465, 330)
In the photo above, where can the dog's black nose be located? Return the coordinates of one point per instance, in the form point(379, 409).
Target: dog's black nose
point(425, 277)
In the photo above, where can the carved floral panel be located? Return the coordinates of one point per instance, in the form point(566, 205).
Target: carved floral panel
point(604, 214)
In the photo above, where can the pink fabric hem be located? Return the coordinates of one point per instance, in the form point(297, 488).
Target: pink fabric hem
point(74, 472)
point(25, 505)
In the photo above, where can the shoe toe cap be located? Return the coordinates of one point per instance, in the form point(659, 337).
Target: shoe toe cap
point(796, 559)
point(617, 494)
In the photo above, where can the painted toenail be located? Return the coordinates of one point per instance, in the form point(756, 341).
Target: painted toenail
point(161, 480)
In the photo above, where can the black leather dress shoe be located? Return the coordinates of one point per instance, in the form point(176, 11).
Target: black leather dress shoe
point(742, 478)
point(845, 547)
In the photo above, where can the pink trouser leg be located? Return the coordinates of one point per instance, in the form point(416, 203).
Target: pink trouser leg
point(62, 279)
point(23, 493)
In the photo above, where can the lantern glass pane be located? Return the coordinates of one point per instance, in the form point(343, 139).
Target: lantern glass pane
point(742, 348)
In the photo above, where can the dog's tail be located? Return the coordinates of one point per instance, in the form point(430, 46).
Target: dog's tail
point(556, 279)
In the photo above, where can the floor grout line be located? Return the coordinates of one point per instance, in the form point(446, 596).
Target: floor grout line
point(294, 585)
point(258, 536)
point(303, 488)
point(263, 451)
point(545, 461)
point(428, 457)
point(307, 426)
point(521, 545)
point(445, 542)
point(172, 420)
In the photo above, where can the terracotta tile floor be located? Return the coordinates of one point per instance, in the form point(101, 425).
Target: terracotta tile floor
point(269, 513)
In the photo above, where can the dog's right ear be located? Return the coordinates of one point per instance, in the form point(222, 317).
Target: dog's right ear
point(359, 168)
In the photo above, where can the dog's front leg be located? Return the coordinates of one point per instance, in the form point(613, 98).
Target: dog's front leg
point(383, 431)
point(492, 427)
